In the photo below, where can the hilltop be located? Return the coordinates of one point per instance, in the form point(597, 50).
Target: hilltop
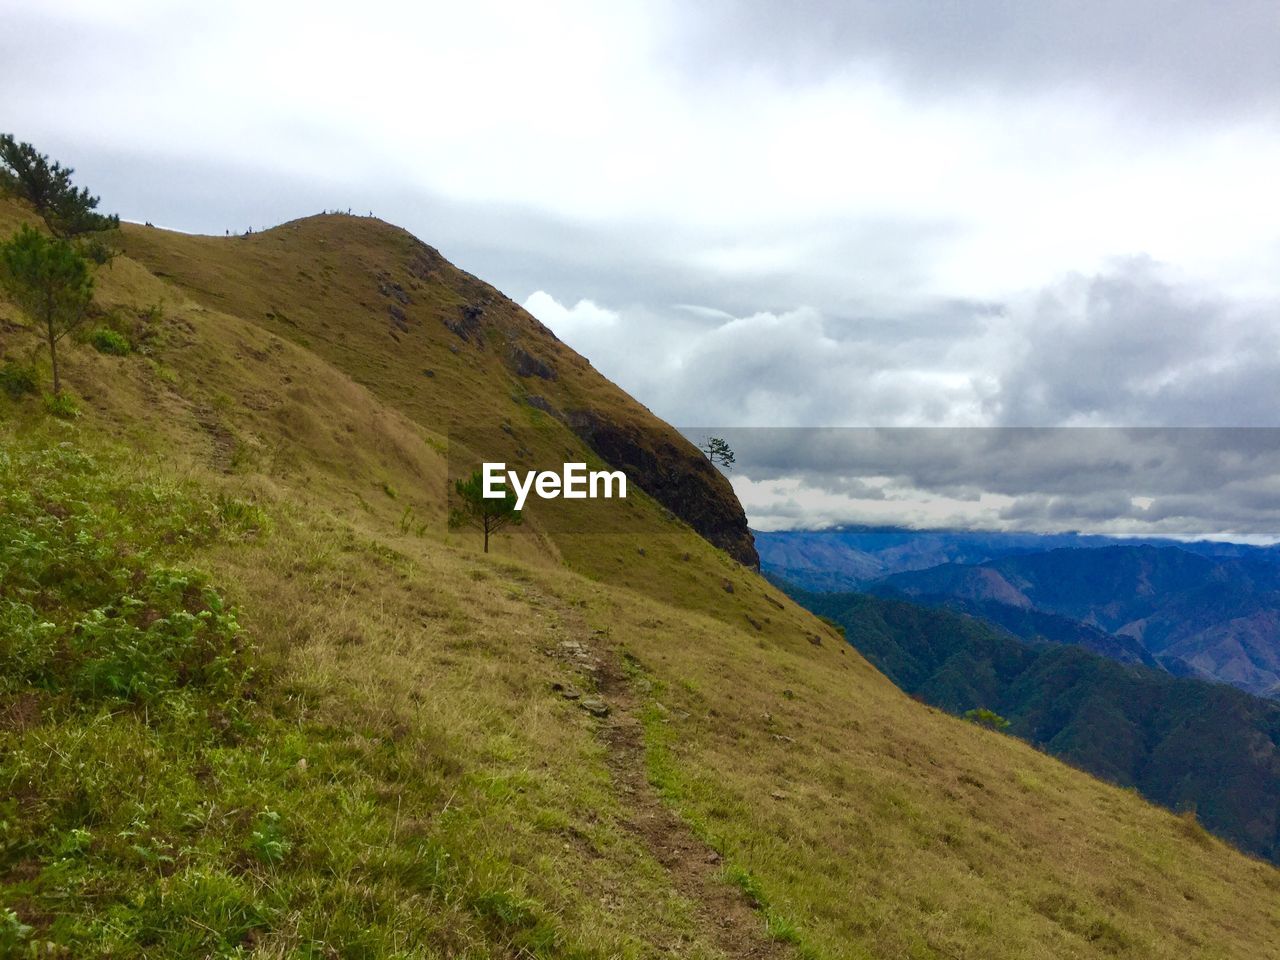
point(260, 701)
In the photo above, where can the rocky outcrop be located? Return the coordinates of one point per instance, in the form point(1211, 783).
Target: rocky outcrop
point(673, 472)
point(467, 323)
point(525, 364)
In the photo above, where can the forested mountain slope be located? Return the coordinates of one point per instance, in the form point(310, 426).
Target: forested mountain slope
point(1188, 744)
point(1213, 617)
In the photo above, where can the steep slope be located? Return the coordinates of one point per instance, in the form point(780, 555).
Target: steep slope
point(439, 345)
point(619, 745)
point(1185, 743)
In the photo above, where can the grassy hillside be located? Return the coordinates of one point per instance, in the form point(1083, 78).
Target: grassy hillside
point(1189, 744)
point(258, 701)
point(442, 347)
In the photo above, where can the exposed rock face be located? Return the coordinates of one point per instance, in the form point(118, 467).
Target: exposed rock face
point(678, 477)
point(467, 324)
point(395, 292)
point(526, 364)
point(543, 404)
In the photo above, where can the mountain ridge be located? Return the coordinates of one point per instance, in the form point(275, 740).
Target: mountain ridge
point(851, 557)
point(423, 288)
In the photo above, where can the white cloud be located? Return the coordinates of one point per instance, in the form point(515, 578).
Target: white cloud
point(701, 366)
point(569, 322)
point(580, 111)
point(1134, 344)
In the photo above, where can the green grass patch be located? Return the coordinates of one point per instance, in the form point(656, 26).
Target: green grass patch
point(111, 342)
point(675, 788)
point(62, 406)
point(166, 796)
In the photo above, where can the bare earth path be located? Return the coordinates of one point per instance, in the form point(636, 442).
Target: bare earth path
point(730, 921)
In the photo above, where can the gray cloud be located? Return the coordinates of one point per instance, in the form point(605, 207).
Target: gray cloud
point(1173, 55)
point(1150, 481)
point(1133, 346)
point(846, 267)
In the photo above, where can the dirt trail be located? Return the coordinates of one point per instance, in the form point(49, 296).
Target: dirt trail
point(731, 922)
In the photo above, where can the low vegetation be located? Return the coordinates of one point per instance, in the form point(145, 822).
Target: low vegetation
point(170, 793)
point(106, 340)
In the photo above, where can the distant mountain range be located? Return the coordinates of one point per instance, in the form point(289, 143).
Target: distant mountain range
point(1096, 649)
point(1203, 609)
point(852, 557)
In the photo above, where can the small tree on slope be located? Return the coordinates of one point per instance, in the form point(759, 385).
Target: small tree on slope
point(487, 514)
point(68, 212)
point(716, 448)
point(50, 282)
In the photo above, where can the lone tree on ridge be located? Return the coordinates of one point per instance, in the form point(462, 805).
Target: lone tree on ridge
point(716, 448)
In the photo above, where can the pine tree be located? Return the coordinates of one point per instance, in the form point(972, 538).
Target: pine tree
point(717, 448)
point(48, 279)
point(28, 174)
point(488, 514)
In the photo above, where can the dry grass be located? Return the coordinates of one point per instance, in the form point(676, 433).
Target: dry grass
point(861, 823)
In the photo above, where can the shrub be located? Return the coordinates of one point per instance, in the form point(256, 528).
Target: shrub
point(174, 634)
point(17, 379)
point(240, 515)
point(108, 341)
point(268, 842)
point(164, 374)
point(13, 933)
point(1190, 827)
point(98, 250)
point(837, 627)
point(61, 406)
point(987, 718)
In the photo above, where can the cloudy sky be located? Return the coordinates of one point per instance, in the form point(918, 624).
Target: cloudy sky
point(1215, 482)
point(748, 213)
